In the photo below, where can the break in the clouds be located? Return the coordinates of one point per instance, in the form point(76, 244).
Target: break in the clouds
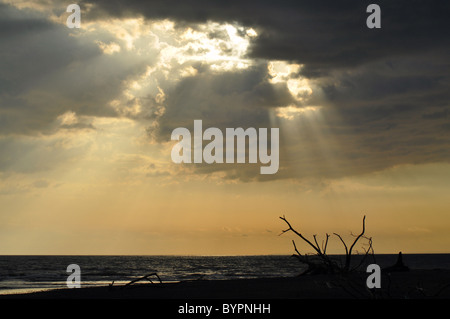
point(323, 34)
point(347, 99)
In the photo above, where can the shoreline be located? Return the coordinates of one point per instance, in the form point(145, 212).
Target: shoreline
point(413, 284)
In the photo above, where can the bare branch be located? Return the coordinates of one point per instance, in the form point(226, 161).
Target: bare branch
point(315, 240)
point(295, 248)
point(324, 247)
point(343, 242)
point(327, 264)
point(368, 251)
point(298, 234)
point(359, 236)
point(349, 252)
point(143, 278)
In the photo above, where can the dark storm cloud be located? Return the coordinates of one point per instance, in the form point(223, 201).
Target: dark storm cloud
point(320, 34)
point(389, 112)
point(384, 91)
point(31, 46)
point(46, 72)
point(32, 50)
point(13, 24)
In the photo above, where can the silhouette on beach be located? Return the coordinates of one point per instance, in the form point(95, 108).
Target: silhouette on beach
point(399, 265)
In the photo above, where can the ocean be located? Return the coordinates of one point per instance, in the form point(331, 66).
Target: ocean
point(24, 274)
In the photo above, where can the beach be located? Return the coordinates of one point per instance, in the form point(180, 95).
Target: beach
point(413, 284)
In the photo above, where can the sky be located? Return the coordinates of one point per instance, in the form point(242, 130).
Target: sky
point(86, 116)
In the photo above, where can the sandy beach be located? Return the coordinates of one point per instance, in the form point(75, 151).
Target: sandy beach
point(414, 284)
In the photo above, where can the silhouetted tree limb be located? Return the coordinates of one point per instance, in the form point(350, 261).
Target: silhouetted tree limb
point(143, 278)
point(316, 248)
point(324, 248)
point(328, 265)
point(348, 252)
point(367, 252)
point(343, 242)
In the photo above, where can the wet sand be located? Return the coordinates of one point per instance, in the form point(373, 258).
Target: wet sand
point(414, 284)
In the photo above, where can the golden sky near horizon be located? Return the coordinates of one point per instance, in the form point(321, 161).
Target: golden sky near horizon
point(86, 116)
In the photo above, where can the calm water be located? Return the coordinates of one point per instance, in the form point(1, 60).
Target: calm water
point(31, 273)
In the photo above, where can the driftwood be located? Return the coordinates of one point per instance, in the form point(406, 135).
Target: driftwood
point(146, 277)
point(322, 263)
